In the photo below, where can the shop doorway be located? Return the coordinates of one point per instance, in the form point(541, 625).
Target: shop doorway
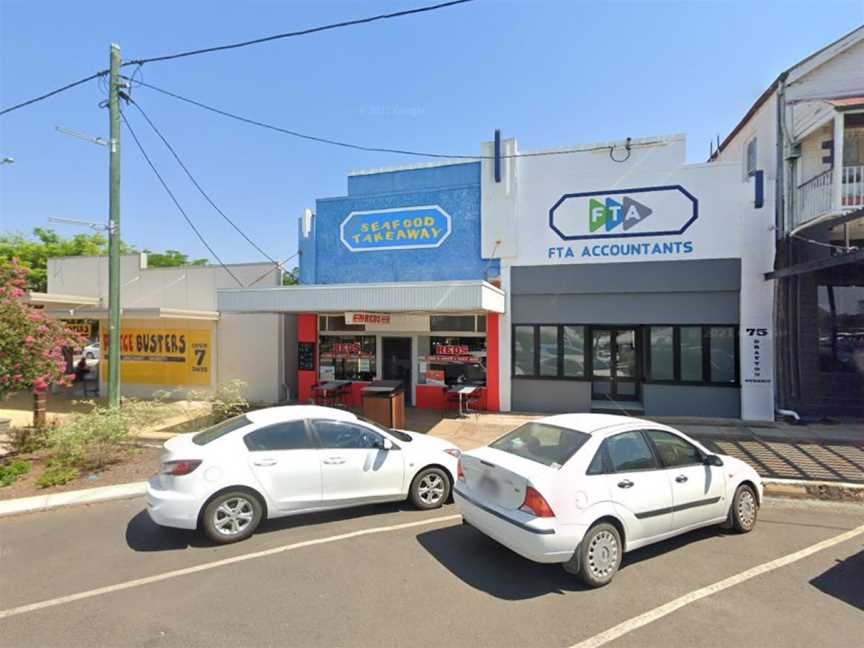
point(614, 364)
point(396, 361)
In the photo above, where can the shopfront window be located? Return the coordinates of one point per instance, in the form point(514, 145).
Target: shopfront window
point(466, 323)
point(662, 352)
point(692, 354)
point(549, 351)
point(523, 350)
point(723, 345)
point(573, 348)
point(347, 357)
point(841, 329)
point(450, 360)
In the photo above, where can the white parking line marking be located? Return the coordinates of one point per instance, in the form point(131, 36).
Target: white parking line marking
point(621, 629)
point(138, 582)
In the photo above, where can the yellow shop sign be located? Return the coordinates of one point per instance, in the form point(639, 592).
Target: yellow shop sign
point(162, 356)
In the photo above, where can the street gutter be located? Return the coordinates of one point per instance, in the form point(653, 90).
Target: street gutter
point(786, 488)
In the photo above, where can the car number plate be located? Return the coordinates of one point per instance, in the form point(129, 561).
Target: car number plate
point(489, 486)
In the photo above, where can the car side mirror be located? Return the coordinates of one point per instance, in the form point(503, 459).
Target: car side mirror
point(386, 444)
point(712, 460)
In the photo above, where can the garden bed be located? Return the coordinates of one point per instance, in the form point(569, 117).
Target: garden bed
point(134, 464)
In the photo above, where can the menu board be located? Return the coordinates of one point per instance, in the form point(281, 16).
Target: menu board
point(306, 356)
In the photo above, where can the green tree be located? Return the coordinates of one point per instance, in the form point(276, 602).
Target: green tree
point(33, 253)
point(171, 259)
point(291, 277)
point(31, 344)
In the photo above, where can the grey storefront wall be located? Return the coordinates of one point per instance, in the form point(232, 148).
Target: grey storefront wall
point(634, 294)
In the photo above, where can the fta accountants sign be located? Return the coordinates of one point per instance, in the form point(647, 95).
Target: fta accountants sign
point(621, 215)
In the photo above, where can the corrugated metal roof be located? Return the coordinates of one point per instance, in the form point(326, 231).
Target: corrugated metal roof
point(429, 296)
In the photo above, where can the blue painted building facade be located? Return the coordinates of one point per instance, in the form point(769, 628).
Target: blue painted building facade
point(418, 224)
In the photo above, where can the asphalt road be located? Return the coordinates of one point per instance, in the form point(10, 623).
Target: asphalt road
point(365, 578)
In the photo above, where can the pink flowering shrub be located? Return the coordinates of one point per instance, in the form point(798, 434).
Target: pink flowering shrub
point(31, 343)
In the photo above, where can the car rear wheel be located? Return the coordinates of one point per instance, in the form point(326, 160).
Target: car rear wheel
point(598, 557)
point(232, 516)
point(745, 506)
point(430, 489)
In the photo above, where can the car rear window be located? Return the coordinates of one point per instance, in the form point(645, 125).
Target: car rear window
point(220, 429)
point(541, 442)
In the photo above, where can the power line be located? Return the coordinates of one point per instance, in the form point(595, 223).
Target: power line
point(198, 186)
point(302, 32)
point(381, 149)
point(293, 133)
point(176, 202)
point(68, 86)
point(278, 265)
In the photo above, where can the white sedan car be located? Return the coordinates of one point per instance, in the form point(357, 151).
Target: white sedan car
point(295, 459)
point(582, 489)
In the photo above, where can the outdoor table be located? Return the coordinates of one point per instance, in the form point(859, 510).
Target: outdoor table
point(331, 388)
point(462, 391)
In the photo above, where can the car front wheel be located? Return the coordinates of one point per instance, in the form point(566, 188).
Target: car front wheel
point(598, 556)
point(232, 517)
point(430, 489)
point(745, 506)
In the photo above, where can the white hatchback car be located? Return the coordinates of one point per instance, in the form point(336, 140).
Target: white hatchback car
point(582, 489)
point(295, 459)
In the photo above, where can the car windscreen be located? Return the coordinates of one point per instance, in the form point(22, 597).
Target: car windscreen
point(549, 445)
point(220, 429)
point(394, 433)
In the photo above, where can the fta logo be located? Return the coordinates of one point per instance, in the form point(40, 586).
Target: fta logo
point(667, 210)
point(625, 214)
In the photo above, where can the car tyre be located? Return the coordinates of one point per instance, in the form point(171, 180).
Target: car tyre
point(430, 489)
point(598, 557)
point(232, 516)
point(742, 513)
point(90, 356)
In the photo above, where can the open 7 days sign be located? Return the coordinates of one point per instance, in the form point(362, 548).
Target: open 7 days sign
point(623, 213)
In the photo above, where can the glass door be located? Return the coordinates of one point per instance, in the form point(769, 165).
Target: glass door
point(614, 364)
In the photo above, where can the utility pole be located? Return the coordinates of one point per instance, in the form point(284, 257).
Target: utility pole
point(114, 231)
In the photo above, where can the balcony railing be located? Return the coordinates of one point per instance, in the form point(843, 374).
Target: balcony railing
point(815, 197)
point(852, 193)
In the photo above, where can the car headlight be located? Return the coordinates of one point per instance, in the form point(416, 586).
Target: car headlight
point(454, 452)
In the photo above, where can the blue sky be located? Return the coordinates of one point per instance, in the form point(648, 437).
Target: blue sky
point(548, 72)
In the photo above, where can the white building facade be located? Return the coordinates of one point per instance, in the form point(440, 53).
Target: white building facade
point(634, 282)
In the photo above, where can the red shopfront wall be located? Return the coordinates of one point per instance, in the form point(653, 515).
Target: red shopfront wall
point(307, 331)
point(433, 396)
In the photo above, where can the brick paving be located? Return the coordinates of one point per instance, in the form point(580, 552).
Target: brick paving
point(832, 453)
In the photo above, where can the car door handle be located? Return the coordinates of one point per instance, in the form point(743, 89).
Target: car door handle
point(265, 462)
point(625, 483)
point(681, 479)
point(334, 460)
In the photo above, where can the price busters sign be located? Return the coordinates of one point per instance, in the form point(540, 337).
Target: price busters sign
point(162, 356)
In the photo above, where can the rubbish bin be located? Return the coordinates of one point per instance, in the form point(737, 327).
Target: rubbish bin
point(384, 403)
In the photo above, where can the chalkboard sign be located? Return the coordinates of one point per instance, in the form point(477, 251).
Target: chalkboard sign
point(306, 356)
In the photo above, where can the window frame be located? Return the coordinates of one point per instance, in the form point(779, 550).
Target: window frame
point(754, 143)
point(609, 467)
point(676, 356)
point(559, 374)
point(311, 438)
point(646, 433)
point(311, 424)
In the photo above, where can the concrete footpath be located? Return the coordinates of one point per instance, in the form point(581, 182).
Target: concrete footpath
point(829, 453)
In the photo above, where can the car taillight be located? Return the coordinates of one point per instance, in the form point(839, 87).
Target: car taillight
point(536, 504)
point(460, 473)
point(178, 468)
